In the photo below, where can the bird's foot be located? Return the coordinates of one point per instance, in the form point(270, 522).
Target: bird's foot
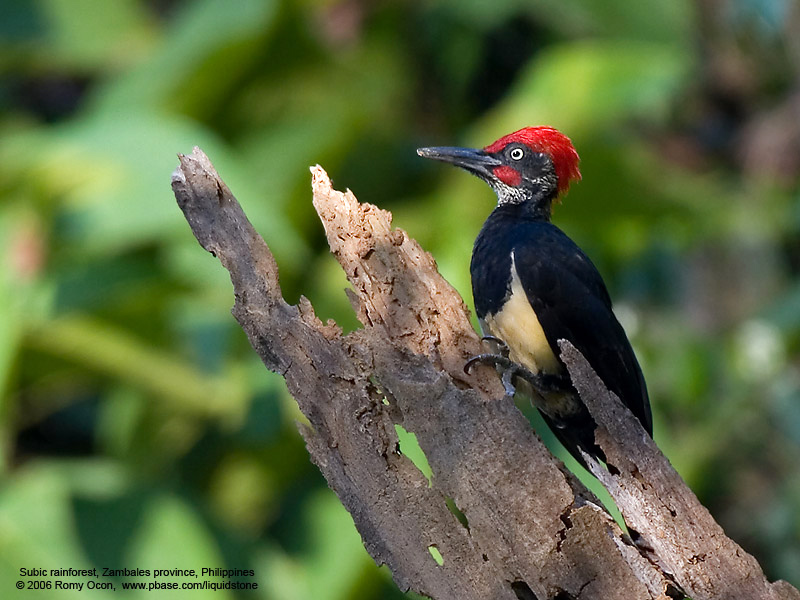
point(541, 382)
point(502, 347)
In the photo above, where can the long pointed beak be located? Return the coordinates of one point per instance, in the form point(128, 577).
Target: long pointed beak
point(473, 160)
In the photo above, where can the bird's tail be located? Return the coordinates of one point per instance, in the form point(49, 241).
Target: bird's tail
point(576, 434)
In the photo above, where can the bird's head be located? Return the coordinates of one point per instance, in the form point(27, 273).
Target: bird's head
point(534, 164)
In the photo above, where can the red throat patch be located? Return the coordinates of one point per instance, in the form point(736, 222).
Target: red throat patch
point(508, 175)
point(548, 141)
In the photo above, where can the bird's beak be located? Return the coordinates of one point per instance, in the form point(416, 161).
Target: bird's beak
point(473, 160)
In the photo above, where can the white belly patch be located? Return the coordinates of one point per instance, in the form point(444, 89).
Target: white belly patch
point(518, 326)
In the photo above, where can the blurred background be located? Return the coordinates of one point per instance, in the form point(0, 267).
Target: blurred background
point(137, 426)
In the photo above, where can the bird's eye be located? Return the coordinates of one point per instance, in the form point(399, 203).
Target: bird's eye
point(516, 153)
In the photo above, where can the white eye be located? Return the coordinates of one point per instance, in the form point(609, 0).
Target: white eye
point(517, 153)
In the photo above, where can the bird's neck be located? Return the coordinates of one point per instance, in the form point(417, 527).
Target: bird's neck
point(532, 203)
point(528, 209)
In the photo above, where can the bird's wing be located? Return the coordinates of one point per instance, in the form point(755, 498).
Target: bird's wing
point(572, 303)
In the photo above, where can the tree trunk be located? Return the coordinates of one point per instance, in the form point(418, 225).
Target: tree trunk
point(530, 529)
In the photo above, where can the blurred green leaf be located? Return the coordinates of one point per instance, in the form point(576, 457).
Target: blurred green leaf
point(92, 34)
point(37, 529)
point(172, 536)
point(335, 562)
point(201, 30)
point(590, 86)
point(120, 354)
point(107, 170)
point(646, 20)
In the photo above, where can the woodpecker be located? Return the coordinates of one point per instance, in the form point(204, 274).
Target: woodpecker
point(533, 286)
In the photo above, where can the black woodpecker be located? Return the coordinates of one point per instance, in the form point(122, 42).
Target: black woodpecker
point(533, 286)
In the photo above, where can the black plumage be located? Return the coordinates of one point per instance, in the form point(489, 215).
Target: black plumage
point(570, 301)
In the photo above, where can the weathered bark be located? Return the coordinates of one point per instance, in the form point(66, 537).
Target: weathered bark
point(533, 530)
point(674, 528)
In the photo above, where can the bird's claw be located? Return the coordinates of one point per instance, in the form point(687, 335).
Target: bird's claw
point(502, 347)
point(541, 382)
point(498, 360)
point(508, 384)
point(495, 359)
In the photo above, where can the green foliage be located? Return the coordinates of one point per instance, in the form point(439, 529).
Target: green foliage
point(138, 428)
